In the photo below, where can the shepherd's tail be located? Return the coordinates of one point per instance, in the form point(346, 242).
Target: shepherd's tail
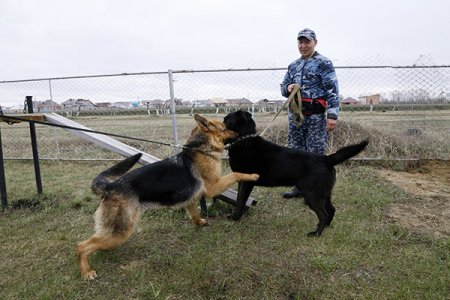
point(345, 153)
point(100, 183)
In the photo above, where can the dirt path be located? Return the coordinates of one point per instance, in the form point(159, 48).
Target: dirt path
point(428, 211)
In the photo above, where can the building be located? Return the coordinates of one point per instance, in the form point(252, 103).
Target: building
point(123, 104)
point(103, 104)
point(78, 104)
point(349, 101)
point(202, 103)
point(266, 105)
point(219, 102)
point(239, 102)
point(370, 100)
point(46, 106)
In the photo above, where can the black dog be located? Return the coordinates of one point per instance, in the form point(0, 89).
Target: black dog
point(313, 174)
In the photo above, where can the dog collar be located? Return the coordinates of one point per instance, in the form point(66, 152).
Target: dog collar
point(239, 139)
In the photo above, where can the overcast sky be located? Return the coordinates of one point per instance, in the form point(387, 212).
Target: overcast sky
point(43, 38)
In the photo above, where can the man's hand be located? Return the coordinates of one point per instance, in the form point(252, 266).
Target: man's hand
point(331, 124)
point(290, 87)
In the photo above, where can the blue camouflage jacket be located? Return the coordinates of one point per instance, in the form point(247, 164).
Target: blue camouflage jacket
point(317, 79)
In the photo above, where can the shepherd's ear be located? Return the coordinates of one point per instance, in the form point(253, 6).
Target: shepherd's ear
point(201, 121)
point(248, 115)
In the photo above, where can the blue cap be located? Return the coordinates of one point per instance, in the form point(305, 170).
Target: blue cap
point(307, 33)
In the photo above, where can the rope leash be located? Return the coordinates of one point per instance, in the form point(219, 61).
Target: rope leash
point(8, 119)
point(18, 119)
point(295, 106)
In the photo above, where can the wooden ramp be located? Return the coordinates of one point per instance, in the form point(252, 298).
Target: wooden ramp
point(107, 142)
point(101, 140)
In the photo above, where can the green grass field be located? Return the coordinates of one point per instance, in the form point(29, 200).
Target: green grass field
point(365, 254)
point(267, 255)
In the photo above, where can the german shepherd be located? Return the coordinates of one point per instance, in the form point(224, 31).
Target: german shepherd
point(178, 181)
point(313, 174)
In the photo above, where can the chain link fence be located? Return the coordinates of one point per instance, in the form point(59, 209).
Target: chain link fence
point(405, 110)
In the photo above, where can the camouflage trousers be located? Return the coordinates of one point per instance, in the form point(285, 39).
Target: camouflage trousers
point(312, 136)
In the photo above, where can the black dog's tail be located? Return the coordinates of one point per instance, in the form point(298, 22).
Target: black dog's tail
point(345, 153)
point(100, 183)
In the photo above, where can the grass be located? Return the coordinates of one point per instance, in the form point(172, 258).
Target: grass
point(267, 255)
point(393, 134)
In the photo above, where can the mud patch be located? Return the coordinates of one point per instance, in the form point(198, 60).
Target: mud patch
point(428, 212)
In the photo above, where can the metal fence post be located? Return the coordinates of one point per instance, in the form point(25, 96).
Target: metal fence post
point(2, 176)
point(53, 110)
point(173, 110)
point(37, 169)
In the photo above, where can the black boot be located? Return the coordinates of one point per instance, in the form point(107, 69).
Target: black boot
point(295, 193)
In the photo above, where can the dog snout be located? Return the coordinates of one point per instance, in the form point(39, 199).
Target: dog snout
point(230, 134)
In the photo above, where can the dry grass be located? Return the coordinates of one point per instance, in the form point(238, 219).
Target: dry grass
point(393, 134)
point(390, 134)
point(366, 253)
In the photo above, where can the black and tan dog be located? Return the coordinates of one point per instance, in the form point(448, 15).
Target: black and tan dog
point(178, 181)
point(313, 174)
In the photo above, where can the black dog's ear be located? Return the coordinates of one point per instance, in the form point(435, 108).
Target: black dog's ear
point(247, 115)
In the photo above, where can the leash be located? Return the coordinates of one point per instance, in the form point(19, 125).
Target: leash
point(296, 107)
point(18, 119)
point(10, 120)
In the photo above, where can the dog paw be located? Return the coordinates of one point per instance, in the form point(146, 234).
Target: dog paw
point(201, 222)
point(235, 217)
point(89, 275)
point(314, 234)
point(254, 176)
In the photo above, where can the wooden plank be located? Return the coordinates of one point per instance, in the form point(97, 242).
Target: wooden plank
point(29, 117)
point(230, 197)
point(101, 140)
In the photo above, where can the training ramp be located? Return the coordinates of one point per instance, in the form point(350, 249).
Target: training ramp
point(125, 150)
point(101, 140)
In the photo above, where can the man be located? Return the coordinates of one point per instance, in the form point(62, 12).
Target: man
point(315, 75)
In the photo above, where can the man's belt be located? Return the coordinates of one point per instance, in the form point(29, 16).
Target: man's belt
point(313, 106)
point(322, 101)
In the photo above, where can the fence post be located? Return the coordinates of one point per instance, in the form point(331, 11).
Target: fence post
point(173, 110)
point(58, 152)
point(2, 176)
point(37, 169)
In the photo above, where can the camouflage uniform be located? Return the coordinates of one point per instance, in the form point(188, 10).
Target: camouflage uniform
point(317, 79)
